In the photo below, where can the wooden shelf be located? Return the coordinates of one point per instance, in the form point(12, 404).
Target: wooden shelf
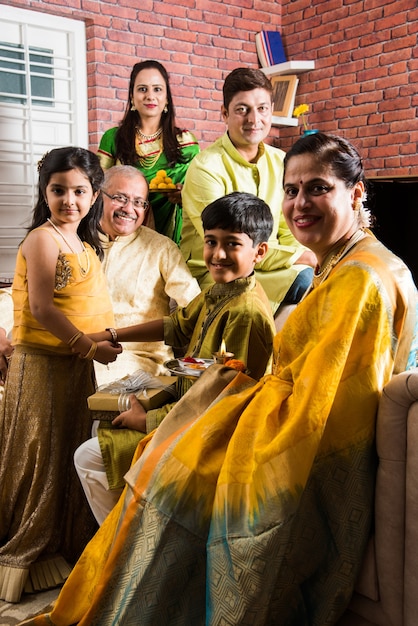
point(290, 67)
point(284, 121)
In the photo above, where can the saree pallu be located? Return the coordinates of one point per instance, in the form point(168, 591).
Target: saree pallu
point(256, 509)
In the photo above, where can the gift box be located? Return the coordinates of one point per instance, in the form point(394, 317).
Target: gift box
point(105, 405)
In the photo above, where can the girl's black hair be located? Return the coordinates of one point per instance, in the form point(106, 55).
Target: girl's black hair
point(125, 136)
point(63, 160)
point(240, 212)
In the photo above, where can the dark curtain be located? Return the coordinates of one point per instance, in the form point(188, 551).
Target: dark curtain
point(395, 207)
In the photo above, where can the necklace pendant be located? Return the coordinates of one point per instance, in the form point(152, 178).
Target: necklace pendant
point(83, 270)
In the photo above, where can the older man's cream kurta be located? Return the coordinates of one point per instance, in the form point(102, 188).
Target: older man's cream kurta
point(144, 271)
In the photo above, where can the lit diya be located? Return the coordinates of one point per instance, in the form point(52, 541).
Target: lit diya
point(222, 356)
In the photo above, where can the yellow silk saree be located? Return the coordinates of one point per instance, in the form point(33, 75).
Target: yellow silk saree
point(253, 505)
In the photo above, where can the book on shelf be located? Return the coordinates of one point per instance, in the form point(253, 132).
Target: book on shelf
point(269, 47)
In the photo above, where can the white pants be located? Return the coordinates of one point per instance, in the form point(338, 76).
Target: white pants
point(90, 468)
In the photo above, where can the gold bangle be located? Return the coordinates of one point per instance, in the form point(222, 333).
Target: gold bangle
point(75, 338)
point(92, 351)
point(114, 335)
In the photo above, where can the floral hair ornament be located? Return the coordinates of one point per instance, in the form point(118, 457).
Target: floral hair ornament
point(300, 111)
point(42, 161)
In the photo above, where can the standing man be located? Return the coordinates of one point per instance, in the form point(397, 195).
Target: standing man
point(241, 161)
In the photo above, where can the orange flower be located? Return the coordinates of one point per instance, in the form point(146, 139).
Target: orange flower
point(236, 364)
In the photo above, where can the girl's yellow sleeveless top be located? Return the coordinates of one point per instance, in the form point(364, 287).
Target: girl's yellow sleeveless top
point(81, 296)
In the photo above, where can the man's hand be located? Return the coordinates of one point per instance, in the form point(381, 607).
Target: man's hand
point(307, 258)
point(135, 418)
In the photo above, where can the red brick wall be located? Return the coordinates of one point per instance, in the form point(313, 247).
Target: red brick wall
point(365, 83)
point(198, 41)
point(364, 86)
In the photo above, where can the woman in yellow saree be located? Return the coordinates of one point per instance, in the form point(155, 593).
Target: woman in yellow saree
point(251, 504)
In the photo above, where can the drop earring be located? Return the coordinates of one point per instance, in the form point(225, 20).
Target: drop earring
point(165, 109)
point(358, 204)
point(133, 107)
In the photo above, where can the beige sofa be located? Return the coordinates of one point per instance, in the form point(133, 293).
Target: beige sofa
point(387, 588)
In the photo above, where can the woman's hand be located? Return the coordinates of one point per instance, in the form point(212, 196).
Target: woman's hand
point(175, 195)
point(6, 350)
point(135, 418)
point(107, 352)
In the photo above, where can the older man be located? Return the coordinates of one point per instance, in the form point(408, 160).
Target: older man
point(144, 271)
point(241, 161)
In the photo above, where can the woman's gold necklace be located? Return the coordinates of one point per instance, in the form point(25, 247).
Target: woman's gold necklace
point(149, 148)
point(83, 270)
point(322, 274)
point(332, 262)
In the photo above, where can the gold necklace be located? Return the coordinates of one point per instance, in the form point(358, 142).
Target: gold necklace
point(332, 261)
point(148, 151)
point(321, 275)
point(83, 271)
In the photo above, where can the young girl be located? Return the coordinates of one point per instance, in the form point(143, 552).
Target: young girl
point(59, 293)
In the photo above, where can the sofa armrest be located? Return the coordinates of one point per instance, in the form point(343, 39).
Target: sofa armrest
point(386, 590)
point(411, 520)
point(396, 497)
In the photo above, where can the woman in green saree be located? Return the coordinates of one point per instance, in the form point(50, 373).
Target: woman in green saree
point(149, 139)
point(252, 502)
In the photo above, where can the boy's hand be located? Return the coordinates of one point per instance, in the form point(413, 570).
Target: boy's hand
point(135, 418)
point(103, 335)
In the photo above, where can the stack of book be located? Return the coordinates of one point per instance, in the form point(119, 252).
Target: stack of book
point(270, 48)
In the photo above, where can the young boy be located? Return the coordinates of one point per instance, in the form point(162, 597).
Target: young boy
point(234, 309)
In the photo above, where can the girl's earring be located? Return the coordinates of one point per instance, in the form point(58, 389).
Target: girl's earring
point(165, 110)
point(133, 107)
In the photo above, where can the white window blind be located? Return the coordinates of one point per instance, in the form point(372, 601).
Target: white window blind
point(43, 105)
